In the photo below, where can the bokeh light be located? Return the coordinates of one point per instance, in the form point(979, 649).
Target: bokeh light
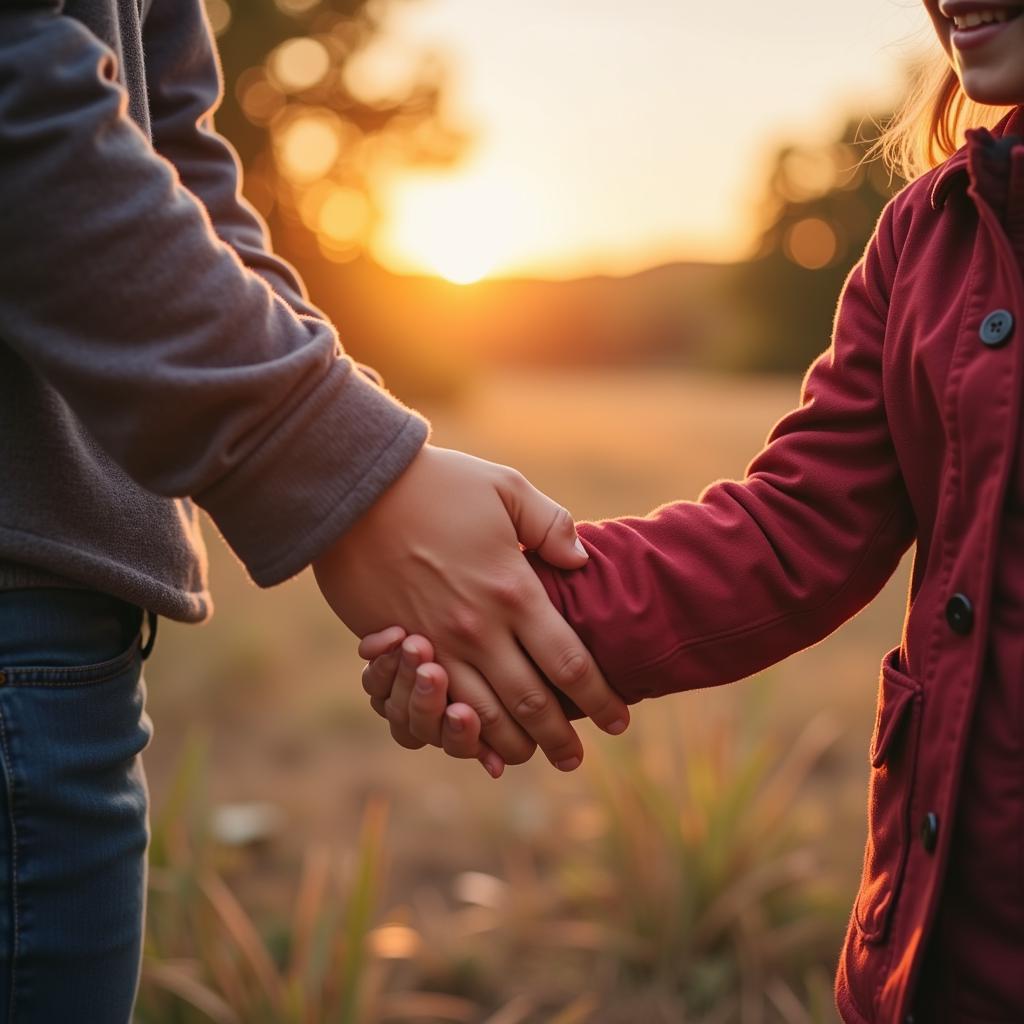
point(344, 215)
point(295, 6)
point(309, 146)
point(812, 243)
point(808, 172)
point(260, 99)
point(299, 64)
point(395, 942)
point(381, 73)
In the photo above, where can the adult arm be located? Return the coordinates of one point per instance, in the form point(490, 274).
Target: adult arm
point(702, 593)
point(188, 368)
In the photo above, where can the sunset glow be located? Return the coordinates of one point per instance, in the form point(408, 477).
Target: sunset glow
point(593, 125)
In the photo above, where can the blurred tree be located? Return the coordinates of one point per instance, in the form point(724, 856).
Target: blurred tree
point(819, 210)
point(322, 101)
point(319, 103)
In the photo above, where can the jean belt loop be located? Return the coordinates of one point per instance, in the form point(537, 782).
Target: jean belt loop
point(147, 647)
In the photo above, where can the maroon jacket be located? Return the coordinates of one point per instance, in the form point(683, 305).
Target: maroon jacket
point(907, 432)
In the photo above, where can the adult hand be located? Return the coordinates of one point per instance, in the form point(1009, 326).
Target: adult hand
point(439, 554)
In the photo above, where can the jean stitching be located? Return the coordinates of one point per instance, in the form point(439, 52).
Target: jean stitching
point(9, 784)
point(67, 684)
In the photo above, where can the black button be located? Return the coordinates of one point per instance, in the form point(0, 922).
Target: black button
point(960, 614)
point(930, 831)
point(996, 328)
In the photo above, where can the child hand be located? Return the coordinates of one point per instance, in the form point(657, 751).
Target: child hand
point(410, 691)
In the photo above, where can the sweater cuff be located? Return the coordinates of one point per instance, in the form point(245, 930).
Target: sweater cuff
point(294, 496)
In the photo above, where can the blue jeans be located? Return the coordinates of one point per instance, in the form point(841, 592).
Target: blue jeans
point(73, 807)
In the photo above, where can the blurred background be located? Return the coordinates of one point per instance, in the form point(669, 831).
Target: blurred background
point(600, 242)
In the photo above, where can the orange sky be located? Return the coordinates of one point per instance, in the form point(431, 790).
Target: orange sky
point(611, 136)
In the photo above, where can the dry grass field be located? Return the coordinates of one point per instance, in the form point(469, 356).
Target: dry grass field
point(635, 890)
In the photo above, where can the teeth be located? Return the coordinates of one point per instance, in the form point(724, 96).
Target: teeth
point(976, 18)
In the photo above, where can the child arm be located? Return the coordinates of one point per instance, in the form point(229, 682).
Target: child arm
point(706, 592)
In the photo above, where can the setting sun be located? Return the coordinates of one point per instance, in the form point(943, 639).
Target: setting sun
point(462, 268)
point(462, 229)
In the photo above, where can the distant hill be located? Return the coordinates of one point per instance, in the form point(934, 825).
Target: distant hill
point(427, 334)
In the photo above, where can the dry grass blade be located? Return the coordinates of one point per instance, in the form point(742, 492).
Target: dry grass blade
point(784, 999)
point(514, 1012)
point(781, 789)
point(362, 893)
point(795, 867)
point(428, 1006)
point(577, 1012)
point(243, 932)
point(179, 979)
point(226, 973)
point(308, 909)
point(788, 939)
point(590, 935)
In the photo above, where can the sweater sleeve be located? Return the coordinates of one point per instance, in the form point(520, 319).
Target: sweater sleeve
point(707, 592)
point(185, 87)
point(190, 369)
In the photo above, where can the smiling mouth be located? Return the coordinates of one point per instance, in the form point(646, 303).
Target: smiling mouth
point(967, 16)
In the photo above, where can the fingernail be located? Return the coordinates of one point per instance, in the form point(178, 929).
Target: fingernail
point(617, 728)
point(581, 549)
point(423, 683)
point(570, 765)
point(409, 656)
point(454, 722)
point(494, 767)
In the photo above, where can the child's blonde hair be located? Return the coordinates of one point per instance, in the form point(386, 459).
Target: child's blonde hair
point(930, 125)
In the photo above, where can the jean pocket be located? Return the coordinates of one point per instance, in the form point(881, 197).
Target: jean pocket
point(62, 637)
point(894, 746)
point(73, 675)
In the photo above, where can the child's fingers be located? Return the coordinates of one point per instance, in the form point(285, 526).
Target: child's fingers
point(415, 650)
point(493, 764)
point(460, 735)
point(461, 738)
point(429, 721)
point(401, 736)
point(375, 644)
point(379, 675)
point(428, 703)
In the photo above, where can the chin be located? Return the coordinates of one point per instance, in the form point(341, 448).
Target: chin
point(991, 88)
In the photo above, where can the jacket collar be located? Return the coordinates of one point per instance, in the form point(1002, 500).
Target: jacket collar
point(956, 170)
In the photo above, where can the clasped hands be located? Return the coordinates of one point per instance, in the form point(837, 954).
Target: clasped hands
point(441, 554)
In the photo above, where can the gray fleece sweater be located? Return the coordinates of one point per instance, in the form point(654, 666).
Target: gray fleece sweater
point(153, 353)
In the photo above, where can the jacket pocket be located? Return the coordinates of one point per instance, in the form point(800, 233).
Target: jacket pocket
point(893, 758)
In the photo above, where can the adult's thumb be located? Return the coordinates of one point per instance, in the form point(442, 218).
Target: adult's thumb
point(543, 525)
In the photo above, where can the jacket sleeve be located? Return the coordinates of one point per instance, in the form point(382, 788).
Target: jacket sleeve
point(189, 368)
point(706, 592)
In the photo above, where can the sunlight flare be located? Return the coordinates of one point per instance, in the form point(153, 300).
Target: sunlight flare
point(462, 229)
